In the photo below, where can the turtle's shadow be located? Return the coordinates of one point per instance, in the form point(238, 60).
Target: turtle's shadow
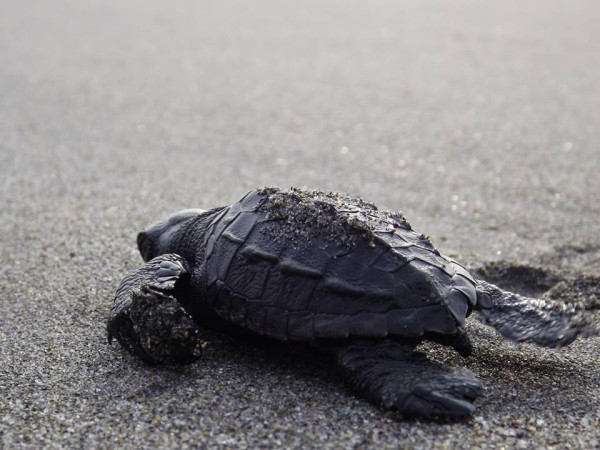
point(310, 378)
point(294, 372)
point(248, 359)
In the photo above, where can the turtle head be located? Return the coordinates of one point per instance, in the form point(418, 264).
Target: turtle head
point(158, 238)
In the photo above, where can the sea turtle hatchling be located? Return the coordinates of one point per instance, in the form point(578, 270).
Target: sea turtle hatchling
point(333, 271)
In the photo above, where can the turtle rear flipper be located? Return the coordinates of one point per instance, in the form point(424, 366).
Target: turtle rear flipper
point(394, 376)
point(147, 318)
point(540, 321)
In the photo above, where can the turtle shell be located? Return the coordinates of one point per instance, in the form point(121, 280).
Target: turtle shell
point(303, 265)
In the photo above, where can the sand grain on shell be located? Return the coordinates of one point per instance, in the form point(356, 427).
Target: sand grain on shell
point(341, 220)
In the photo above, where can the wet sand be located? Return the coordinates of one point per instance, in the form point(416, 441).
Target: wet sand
point(480, 123)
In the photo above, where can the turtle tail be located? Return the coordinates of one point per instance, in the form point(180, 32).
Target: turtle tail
point(540, 321)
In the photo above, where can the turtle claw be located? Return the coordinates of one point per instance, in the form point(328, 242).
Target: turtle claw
point(444, 394)
point(424, 403)
point(395, 377)
point(157, 329)
point(121, 328)
point(148, 321)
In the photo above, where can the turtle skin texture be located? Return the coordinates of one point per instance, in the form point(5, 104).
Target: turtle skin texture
point(330, 270)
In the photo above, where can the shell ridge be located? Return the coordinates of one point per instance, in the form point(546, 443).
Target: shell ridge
point(339, 300)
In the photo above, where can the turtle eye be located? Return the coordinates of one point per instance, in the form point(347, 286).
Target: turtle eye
point(143, 243)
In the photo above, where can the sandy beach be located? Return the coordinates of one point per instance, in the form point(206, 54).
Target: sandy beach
point(479, 122)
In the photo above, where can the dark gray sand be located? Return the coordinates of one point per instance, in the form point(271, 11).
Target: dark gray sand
point(481, 123)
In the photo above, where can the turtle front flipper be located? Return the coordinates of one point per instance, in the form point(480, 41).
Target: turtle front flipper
point(540, 321)
point(393, 376)
point(147, 318)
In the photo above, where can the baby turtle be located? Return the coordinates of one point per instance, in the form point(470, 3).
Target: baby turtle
point(333, 271)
